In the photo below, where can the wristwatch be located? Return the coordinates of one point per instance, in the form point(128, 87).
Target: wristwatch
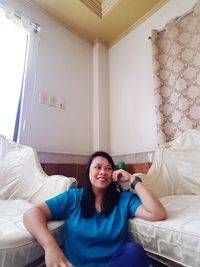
point(135, 181)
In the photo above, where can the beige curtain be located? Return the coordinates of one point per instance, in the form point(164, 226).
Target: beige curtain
point(176, 61)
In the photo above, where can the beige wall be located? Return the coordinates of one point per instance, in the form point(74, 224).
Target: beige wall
point(101, 112)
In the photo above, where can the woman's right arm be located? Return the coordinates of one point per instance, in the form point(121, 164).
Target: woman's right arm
point(35, 220)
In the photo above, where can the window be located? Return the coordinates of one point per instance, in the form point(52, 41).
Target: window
point(19, 44)
point(13, 48)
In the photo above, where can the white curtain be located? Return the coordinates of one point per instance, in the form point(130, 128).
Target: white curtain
point(16, 32)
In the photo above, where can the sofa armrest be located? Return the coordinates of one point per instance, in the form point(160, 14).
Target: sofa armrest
point(156, 185)
point(152, 183)
point(54, 185)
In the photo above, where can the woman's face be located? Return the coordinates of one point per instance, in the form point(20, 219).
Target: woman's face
point(100, 173)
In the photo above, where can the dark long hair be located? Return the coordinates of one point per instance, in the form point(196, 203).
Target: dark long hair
point(112, 193)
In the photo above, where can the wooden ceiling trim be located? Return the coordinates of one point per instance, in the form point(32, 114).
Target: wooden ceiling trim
point(107, 5)
point(100, 7)
point(94, 6)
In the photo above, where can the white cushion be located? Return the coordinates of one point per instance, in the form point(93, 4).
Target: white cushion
point(178, 237)
point(22, 177)
point(53, 185)
point(176, 167)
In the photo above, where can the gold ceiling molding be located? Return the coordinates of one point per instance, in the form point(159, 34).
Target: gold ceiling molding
point(97, 32)
point(100, 7)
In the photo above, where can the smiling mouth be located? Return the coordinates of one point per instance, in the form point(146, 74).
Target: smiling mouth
point(102, 179)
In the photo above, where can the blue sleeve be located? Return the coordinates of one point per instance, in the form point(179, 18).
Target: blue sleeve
point(134, 203)
point(62, 205)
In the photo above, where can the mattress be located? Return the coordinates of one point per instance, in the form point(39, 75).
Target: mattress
point(17, 247)
point(177, 238)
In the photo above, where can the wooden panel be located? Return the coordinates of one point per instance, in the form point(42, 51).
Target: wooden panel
point(80, 171)
point(138, 167)
point(50, 169)
point(68, 170)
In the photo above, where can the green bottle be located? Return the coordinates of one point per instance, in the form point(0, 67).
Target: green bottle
point(121, 165)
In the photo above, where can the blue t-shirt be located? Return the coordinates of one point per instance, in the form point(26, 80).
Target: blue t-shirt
point(92, 242)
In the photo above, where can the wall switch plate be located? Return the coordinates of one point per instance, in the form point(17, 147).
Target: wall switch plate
point(43, 98)
point(62, 103)
point(52, 101)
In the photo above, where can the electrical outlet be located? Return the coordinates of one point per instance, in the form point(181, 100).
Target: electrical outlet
point(62, 103)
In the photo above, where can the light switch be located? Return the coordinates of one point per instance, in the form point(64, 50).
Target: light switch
point(43, 98)
point(52, 101)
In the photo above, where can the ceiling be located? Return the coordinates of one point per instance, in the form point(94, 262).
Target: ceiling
point(105, 21)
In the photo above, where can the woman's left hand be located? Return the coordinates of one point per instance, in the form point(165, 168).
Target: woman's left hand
point(151, 208)
point(121, 176)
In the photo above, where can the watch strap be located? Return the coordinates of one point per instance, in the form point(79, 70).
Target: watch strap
point(135, 181)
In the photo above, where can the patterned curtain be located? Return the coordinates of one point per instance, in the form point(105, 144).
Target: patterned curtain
point(176, 61)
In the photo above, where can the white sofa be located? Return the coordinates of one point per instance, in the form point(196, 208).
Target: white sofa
point(175, 178)
point(23, 183)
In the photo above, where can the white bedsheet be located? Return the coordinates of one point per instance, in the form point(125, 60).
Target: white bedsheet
point(17, 246)
point(178, 237)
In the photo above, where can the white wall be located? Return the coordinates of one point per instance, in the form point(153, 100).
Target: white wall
point(63, 69)
point(133, 122)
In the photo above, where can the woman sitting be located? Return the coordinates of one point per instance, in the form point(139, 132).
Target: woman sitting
point(96, 218)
